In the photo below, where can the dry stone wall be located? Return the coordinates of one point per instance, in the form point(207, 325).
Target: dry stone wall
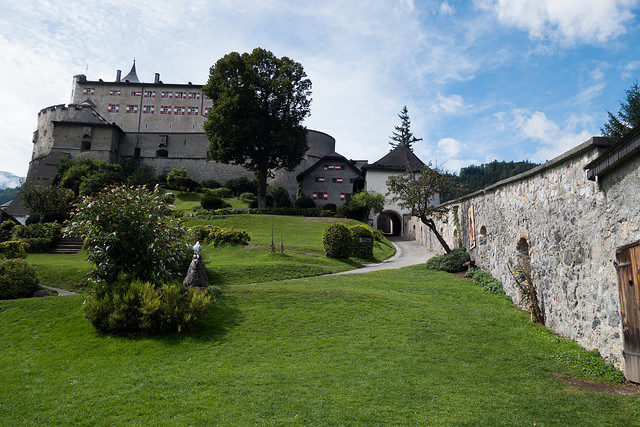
point(572, 227)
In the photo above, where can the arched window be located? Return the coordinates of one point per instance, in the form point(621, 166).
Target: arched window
point(482, 237)
point(162, 153)
point(86, 145)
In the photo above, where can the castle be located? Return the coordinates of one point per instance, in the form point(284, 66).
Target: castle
point(162, 125)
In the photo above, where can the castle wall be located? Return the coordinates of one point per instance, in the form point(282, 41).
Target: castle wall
point(139, 96)
point(572, 227)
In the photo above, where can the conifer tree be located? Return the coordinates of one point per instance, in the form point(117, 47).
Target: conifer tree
point(402, 134)
point(628, 117)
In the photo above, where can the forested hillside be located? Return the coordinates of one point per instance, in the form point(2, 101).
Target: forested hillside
point(8, 194)
point(475, 177)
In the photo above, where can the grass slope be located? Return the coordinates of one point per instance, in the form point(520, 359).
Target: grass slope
point(188, 201)
point(408, 346)
point(303, 257)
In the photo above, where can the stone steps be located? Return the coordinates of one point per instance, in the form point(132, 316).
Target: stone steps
point(67, 246)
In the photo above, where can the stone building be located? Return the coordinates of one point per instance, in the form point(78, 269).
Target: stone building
point(570, 224)
point(393, 220)
point(331, 180)
point(157, 122)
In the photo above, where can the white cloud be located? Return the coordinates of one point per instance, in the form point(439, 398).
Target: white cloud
point(553, 140)
point(446, 9)
point(566, 21)
point(448, 151)
point(449, 104)
point(365, 62)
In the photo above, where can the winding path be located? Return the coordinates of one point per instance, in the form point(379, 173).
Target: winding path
point(408, 252)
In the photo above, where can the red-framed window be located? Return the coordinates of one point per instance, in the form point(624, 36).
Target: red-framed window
point(113, 108)
point(88, 91)
point(148, 109)
point(326, 196)
point(342, 197)
point(149, 93)
point(114, 92)
point(314, 196)
point(164, 109)
point(132, 109)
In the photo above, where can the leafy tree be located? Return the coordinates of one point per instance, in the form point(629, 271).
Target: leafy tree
point(361, 204)
point(49, 202)
point(628, 116)
point(415, 191)
point(130, 230)
point(8, 194)
point(402, 133)
point(179, 179)
point(259, 103)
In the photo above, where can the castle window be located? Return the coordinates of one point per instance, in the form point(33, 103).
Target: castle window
point(136, 152)
point(337, 180)
point(165, 110)
point(88, 91)
point(162, 153)
point(326, 196)
point(314, 195)
point(166, 94)
point(114, 92)
point(132, 109)
point(148, 109)
point(342, 197)
point(86, 145)
point(179, 111)
point(149, 93)
point(113, 108)
point(181, 95)
point(206, 111)
point(136, 93)
point(192, 111)
point(194, 95)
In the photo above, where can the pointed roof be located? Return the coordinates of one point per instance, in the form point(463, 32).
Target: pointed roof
point(88, 103)
point(132, 77)
point(401, 158)
point(330, 156)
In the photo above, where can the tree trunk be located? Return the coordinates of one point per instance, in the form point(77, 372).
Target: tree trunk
point(429, 223)
point(261, 176)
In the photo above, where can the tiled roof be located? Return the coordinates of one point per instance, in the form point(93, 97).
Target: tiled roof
point(400, 158)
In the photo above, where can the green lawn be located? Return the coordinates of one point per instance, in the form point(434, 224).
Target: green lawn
point(187, 201)
point(408, 346)
point(303, 257)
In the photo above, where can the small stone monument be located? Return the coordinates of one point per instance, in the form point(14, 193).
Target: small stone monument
point(197, 273)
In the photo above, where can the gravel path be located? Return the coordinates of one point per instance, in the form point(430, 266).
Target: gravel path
point(61, 292)
point(408, 252)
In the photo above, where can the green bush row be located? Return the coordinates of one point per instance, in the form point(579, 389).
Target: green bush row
point(453, 262)
point(48, 230)
point(135, 306)
point(219, 235)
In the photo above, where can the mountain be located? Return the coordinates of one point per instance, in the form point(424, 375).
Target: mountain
point(9, 180)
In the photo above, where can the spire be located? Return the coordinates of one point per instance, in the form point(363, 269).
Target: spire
point(132, 77)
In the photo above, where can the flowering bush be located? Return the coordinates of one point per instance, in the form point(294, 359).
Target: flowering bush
point(218, 235)
point(130, 230)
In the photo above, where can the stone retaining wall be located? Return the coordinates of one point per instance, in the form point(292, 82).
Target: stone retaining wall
point(572, 227)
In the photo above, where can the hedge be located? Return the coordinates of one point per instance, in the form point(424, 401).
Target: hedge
point(13, 249)
point(337, 241)
point(362, 241)
point(453, 262)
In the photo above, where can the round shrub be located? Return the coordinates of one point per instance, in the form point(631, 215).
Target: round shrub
point(453, 262)
point(37, 245)
point(211, 201)
point(329, 207)
point(169, 198)
point(133, 306)
point(18, 279)
point(362, 241)
point(222, 192)
point(337, 241)
point(279, 196)
point(13, 249)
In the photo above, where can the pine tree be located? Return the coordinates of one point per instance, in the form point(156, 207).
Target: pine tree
point(628, 117)
point(402, 134)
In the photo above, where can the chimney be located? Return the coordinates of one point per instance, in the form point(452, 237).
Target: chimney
point(157, 79)
point(118, 73)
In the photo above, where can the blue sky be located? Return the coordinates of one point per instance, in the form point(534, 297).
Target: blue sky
point(483, 80)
